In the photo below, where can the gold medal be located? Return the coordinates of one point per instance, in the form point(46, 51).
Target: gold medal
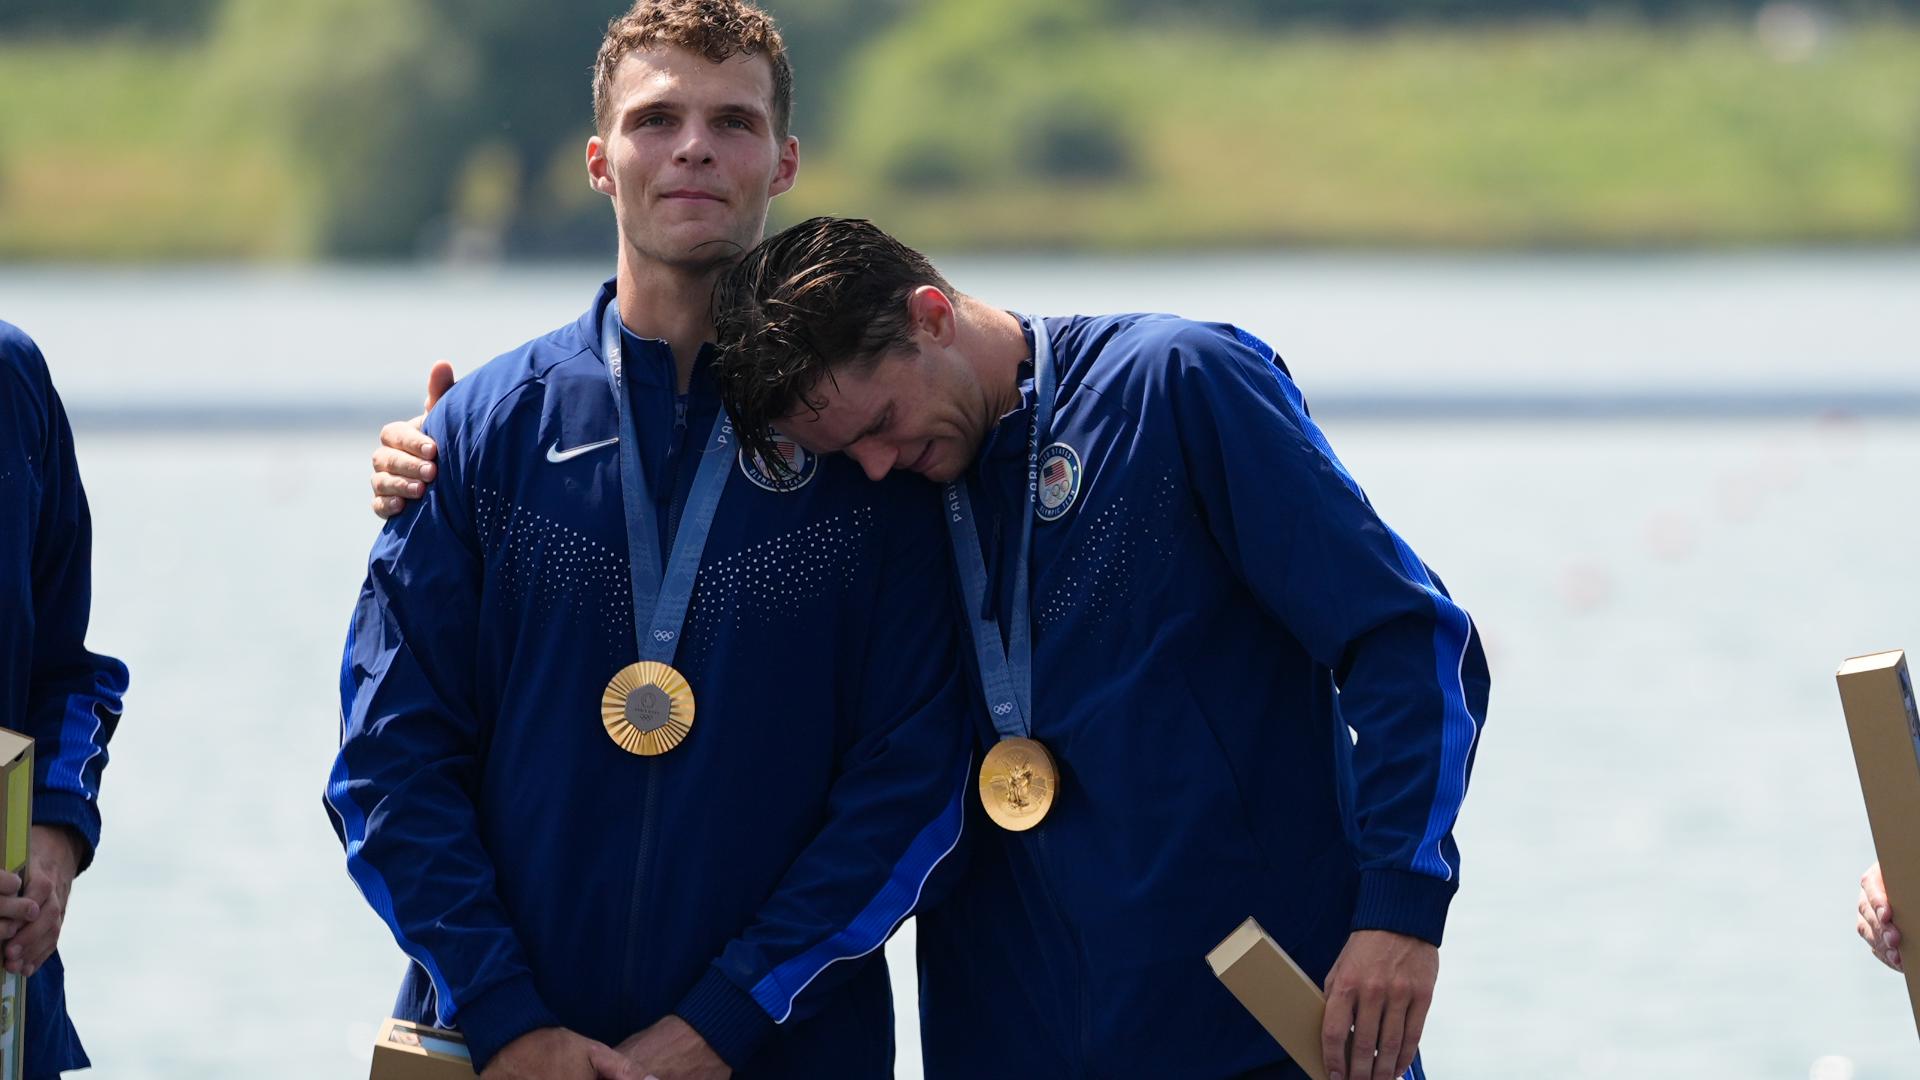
point(647, 708)
point(1018, 782)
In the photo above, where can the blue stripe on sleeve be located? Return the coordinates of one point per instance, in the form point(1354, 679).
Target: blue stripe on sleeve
point(353, 826)
point(79, 732)
point(1453, 630)
point(876, 922)
point(82, 724)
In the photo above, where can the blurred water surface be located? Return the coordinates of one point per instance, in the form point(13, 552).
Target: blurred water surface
point(1664, 830)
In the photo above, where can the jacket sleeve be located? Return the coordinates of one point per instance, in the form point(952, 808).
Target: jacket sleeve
point(401, 793)
point(73, 695)
point(1406, 659)
point(894, 819)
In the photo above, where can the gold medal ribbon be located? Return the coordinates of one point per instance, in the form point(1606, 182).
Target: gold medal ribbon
point(1018, 779)
point(648, 706)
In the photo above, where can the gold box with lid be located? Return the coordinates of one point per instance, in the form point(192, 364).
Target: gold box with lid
point(16, 825)
point(1285, 999)
point(1876, 692)
point(409, 1051)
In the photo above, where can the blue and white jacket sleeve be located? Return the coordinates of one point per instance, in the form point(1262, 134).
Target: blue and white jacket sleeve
point(1407, 660)
point(72, 701)
point(889, 845)
point(401, 793)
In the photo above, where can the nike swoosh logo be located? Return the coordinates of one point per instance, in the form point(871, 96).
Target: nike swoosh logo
point(557, 455)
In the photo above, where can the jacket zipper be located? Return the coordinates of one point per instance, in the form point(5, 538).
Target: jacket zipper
point(1042, 860)
point(1042, 872)
point(637, 922)
point(650, 803)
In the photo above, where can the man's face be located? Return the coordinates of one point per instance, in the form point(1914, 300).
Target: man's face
point(924, 412)
point(690, 156)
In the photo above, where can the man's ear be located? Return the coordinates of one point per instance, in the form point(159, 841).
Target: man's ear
point(789, 167)
point(599, 171)
point(930, 312)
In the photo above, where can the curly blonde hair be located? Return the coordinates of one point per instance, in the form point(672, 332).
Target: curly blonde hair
point(715, 29)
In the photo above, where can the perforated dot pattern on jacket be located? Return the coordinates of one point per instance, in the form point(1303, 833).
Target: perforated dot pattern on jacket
point(548, 571)
point(1111, 551)
point(777, 580)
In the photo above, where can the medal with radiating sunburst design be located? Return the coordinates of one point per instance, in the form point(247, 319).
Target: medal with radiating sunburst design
point(647, 708)
point(1018, 782)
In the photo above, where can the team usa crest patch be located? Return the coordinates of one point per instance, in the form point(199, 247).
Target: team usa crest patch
point(1059, 482)
point(800, 466)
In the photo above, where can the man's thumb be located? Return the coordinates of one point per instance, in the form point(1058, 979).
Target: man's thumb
point(609, 1063)
point(439, 381)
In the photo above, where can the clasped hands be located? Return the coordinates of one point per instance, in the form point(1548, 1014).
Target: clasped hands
point(33, 905)
point(668, 1050)
point(1378, 994)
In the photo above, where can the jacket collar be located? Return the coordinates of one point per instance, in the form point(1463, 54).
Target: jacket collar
point(649, 360)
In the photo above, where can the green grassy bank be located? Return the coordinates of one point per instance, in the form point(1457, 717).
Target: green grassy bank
point(1612, 135)
point(124, 150)
point(960, 135)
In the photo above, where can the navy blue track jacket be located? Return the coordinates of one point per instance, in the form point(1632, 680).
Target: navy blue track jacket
point(51, 688)
point(1213, 610)
point(537, 874)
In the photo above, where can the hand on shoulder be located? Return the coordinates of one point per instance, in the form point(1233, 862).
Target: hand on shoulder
point(403, 465)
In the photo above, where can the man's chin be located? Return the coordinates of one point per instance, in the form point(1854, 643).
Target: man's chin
point(709, 253)
point(697, 249)
point(940, 472)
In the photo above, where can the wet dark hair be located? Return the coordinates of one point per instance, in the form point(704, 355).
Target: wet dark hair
point(826, 295)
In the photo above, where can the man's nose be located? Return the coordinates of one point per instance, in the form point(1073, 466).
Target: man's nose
point(693, 150)
point(874, 458)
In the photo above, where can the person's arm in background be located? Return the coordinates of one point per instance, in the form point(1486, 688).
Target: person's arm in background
point(400, 796)
point(1407, 660)
point(72, 701)
point(403, 465)
point(894, 817)
point(1875, 924)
